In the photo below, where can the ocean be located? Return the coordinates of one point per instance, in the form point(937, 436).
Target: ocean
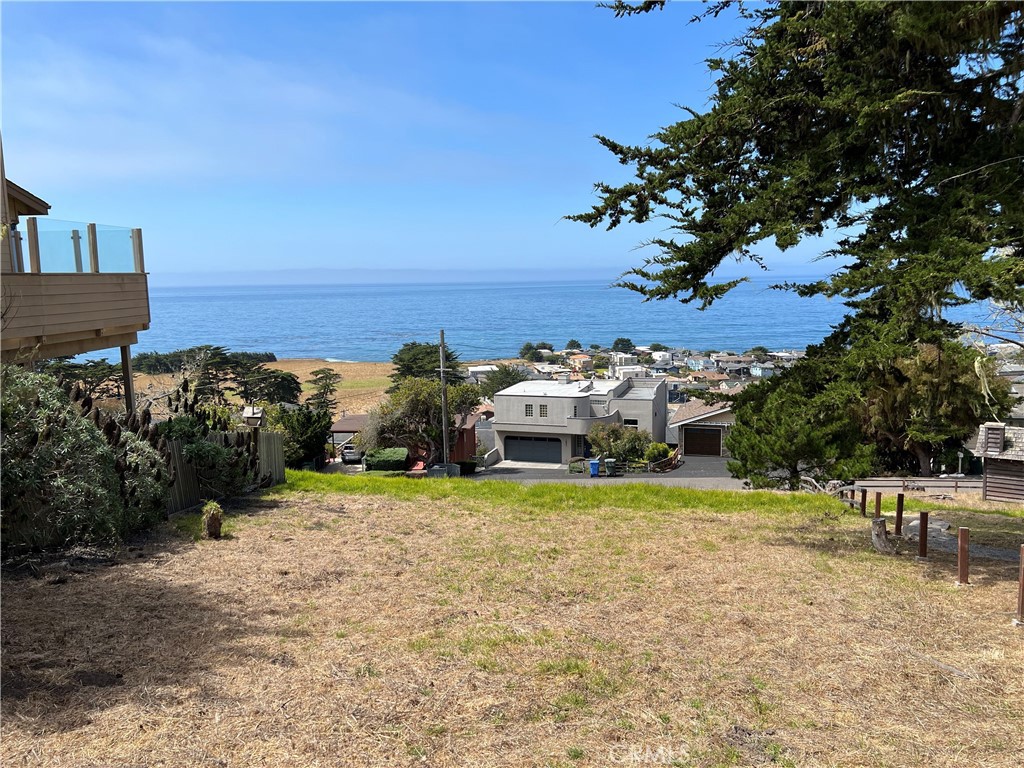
point(480, 320)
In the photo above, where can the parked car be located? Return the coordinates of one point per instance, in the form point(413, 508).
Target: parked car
point(351, 454)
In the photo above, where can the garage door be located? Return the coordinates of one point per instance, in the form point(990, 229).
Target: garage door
point(702, 441)
point(546, 449)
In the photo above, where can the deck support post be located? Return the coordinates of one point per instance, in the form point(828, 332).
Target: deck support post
point(94, 248)
point(129, 383)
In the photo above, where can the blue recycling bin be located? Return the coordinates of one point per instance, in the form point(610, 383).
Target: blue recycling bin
point(595, 467)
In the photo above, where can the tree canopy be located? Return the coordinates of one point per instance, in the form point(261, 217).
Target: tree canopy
point(419, 360)
point(503, 378)
point(411, 418)
point(897, 124)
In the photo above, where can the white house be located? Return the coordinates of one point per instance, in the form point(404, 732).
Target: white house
point(548, 421)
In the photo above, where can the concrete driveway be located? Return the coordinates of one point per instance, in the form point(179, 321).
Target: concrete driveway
point(696, 472)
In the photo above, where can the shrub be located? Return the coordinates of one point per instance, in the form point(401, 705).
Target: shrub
point(657, 452)
point(60, 485)
point(387, 459)
point(213, 518)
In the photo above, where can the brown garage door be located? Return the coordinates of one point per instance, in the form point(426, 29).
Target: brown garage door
point(702, 441)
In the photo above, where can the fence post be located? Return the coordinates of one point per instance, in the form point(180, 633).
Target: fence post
point(863, 502)
point(878, 503)
point(899, 514)
point(1019, 621)
point(963, 563)
point(922, 539)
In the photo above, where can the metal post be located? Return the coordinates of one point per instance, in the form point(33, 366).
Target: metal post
point(129, 383)
point(76, 244)
point(94, 248)
point(32, 230)
point(444, 405)
point(922, 540)
point(878, 503)
point(963, 550)
point(863, 502)
point(1020, 591)
point(899, 514)
point(140, 260)
point(19, 253)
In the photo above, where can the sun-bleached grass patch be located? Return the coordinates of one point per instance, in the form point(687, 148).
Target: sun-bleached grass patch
point(371, 621)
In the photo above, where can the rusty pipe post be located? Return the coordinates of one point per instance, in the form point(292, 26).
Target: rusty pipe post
point(863, 502)
point(963, 555)
point(878, 503)
point(899, 514)
point(1020, 591)
point(922, 539)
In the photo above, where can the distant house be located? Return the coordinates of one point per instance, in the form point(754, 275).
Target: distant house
point(664, 368)
point(700, 363)
point(1001, 449)
point(550, 371)
point(709, 376)
point(477, 374)
point(549, 421)
point(762, 370)
point(699, 428)
point(581, 362)
point(345, 429)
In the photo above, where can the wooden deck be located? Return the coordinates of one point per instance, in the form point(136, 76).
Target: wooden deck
point(55, 314)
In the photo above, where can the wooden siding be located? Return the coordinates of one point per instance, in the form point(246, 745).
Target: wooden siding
point(78, 311)
point(1003, 480)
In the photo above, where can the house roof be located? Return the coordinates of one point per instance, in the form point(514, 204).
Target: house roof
point(25, 203)
point(1013, 444)
point(353, 422)
point(697, 409)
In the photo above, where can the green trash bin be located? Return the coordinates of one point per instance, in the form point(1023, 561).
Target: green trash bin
point(609, 467)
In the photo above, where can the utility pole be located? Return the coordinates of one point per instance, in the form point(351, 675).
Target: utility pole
point(444, 404)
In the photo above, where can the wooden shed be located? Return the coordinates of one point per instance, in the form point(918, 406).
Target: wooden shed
point(1002, 450)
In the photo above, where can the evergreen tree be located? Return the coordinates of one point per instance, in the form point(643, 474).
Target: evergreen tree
point(503, 378)
point(419, 360)
point(573, 344)
point(900, 123)
point(325, 384)
point(622, 344)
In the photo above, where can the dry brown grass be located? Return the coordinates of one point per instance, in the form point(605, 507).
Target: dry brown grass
point(362, 387)
point(362, 630)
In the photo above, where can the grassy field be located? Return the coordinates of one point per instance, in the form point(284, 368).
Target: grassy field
point(389, 622)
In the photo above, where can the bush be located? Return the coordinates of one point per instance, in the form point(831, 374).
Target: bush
point(387, 459)
point(66, 481)
point(657, 452)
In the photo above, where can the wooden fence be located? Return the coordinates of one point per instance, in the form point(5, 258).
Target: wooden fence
point(184, 492)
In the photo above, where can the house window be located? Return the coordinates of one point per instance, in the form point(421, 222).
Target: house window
point(529, 409)
point(543, 411)
point(631, 423)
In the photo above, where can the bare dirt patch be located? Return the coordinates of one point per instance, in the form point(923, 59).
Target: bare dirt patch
point(359, 630)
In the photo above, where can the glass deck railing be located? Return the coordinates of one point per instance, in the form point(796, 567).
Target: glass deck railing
point(72, 246)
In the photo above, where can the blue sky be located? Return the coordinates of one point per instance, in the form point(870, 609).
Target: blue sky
point(344, 135)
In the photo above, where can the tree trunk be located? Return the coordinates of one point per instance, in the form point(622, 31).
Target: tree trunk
point(924, 460)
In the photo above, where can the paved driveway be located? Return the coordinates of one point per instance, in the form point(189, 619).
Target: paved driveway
point(696, 472)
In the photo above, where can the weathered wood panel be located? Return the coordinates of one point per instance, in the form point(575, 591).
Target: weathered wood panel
point(76, 307)
point(271, 458)
point(185, 494)
point(1004, 480)
point(184, 491)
